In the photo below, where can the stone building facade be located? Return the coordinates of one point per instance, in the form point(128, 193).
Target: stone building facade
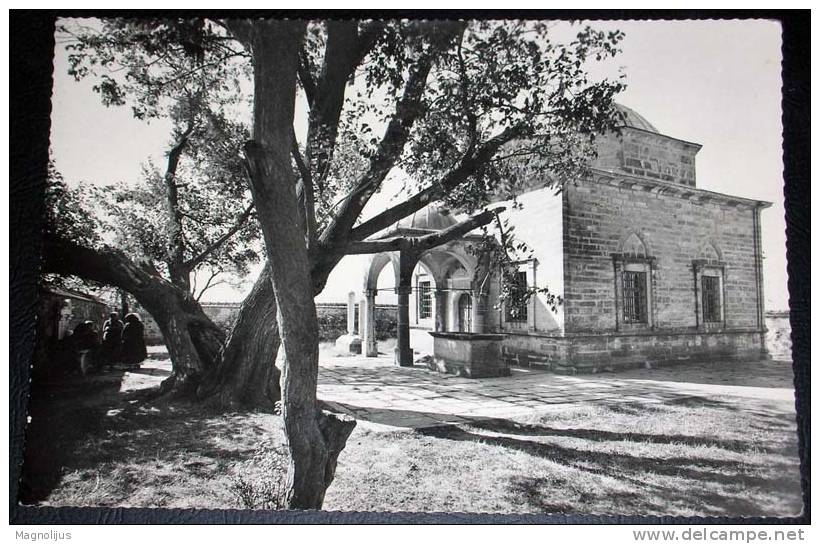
point(651, 268)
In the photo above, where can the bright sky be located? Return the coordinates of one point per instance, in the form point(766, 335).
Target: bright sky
point(716, 83)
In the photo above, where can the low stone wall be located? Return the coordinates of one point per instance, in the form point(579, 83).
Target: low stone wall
point(779, 336)
point(468, 355)
point(332, 320)
point(595, 353)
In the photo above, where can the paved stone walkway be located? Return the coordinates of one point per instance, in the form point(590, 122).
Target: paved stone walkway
point(386, 397)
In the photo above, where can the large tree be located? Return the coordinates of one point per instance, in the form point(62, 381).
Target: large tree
point(470, 112)
point(188, 224)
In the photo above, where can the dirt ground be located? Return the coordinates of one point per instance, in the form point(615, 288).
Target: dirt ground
point(99, 442)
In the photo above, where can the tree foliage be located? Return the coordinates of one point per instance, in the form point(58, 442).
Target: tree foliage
point(498, 78)
point(148, 64)
point(467, 113)
point(474, 112)
point(67, 211)
point(193, 214)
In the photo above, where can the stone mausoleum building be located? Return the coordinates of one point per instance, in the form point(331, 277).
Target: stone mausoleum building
point(651, 268)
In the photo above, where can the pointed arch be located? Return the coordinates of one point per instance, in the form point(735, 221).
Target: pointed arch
point(710, 252)
point(634, 245)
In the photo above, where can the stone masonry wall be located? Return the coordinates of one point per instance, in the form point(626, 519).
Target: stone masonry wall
point(648, 155)
point(596, 353)
point(332, 320)
point(597, 217)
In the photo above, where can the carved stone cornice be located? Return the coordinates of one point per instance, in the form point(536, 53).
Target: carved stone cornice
point(676, 190)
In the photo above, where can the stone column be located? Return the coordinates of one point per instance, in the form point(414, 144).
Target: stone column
point(361, 324)
point(441, 310)
point(351, 313)
point(532, 281)
point(368, 330)
point(481, 294)
point(350, 342)
point(404, 353)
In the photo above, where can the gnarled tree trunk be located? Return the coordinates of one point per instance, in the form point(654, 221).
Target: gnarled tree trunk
point(237, 372)
point(245, 375)
point(192, 339)
point(314, 438)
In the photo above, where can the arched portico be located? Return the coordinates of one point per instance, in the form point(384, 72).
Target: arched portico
point(451, 267)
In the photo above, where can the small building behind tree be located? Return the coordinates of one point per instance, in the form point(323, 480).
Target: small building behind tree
point(59, 311)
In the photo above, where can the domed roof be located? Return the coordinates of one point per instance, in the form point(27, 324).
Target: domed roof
point(635, 119)
point(432, 218)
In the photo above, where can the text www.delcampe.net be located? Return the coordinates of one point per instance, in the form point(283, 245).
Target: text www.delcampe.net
point(719, 535)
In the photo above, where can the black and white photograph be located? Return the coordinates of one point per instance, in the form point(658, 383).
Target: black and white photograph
point(491, 265)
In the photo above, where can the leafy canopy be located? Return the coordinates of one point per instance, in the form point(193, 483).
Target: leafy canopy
point(189, 72)
point(503, 103)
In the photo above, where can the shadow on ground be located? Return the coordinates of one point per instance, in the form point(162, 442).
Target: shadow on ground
point(84, 426)
point(598, 465)
point(61, 415)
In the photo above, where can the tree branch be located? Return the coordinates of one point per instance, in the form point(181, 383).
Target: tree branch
point(423, 243)
point(306, 78)
point(208, 284)
point(345, 50)
point(242, 29)
point(468, 166)
point(304, 195)
point(216, 244)
point(176, 239)
point(408, 110)
point(106, 266)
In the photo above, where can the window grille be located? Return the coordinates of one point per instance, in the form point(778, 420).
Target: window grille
point(517, 303)
point(425, 300)
point(634, 293)
point(710, 293)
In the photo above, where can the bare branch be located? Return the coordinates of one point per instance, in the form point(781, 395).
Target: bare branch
point(216, 244)
point(438, 190)
point(423, 243)
point(176, 238)
point(210, 283)
point(344, 52)
point(408, 110)
point(304, 194)
point(306, 78)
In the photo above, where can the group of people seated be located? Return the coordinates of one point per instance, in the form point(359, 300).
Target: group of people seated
point(123, 344)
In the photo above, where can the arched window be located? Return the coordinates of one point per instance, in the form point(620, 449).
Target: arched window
point(633, 284)
point(633, 247)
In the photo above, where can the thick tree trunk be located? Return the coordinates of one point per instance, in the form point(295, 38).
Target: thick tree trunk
point(192, 339)
point(245, 376)
point(314, 438)
point(237, 373)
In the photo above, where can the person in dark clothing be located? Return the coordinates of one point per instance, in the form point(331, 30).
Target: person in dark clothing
point(133, 341)
point(86, 346)
point(112, 340)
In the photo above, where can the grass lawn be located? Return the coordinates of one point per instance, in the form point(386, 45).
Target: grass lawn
point(91, 444)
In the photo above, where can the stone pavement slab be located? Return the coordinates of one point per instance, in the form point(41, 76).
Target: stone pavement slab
point(383, 396)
